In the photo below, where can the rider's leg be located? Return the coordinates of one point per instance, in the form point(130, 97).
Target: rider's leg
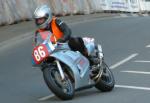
point(77, 44)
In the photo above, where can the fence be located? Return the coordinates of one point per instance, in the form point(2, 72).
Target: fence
point(12, 11)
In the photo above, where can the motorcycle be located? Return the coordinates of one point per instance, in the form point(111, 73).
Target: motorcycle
point(66, 71)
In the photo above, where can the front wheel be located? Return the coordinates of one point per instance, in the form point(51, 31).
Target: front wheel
point(62, 89)
point(107, 81)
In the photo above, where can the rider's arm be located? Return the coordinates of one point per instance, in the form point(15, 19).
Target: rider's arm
point(37, 39)
point(64, 28)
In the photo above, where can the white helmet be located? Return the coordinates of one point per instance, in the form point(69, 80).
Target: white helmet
point(43, 16)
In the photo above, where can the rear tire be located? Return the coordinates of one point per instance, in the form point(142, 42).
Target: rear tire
point(106, 82)
point(62, 89)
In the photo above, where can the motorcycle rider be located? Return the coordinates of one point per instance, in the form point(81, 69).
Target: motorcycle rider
point(61, 32)
point(46, 22)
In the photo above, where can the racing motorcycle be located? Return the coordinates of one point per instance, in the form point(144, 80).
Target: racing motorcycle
point(66, 71)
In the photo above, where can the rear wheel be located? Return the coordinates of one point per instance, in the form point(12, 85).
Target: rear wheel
point(106, 82)
point(62, 89)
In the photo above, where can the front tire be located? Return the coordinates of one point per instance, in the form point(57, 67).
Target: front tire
point(107, 81)
point(62, 89)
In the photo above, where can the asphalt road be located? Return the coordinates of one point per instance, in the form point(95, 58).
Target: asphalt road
point(125, 44)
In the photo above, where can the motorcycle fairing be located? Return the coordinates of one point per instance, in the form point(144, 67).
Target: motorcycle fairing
point(77, 64)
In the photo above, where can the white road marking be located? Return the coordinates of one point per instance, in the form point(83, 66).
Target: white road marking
point(145, 15)
point(123, 15)
point(136, 72)
point(134, 15)
point(133, 87)
point(123, 61)
point(117, 86)
point(147, 46)
point(142, 61)
point(46, 97)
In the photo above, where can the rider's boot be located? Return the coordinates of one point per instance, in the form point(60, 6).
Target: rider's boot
point(94, 66)
point(94, 60)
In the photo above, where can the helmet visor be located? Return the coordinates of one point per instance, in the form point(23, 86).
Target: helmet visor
point(40, 21)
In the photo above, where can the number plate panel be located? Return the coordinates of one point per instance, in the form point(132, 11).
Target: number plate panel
point(40, 53)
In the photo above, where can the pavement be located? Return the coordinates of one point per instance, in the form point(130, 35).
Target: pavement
point(125, 42)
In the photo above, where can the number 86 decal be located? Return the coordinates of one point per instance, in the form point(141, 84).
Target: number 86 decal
point(40, 53)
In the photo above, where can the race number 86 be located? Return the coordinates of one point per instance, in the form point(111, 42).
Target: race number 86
point(40, 53)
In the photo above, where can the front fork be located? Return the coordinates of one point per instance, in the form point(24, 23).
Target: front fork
point(60, 70)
